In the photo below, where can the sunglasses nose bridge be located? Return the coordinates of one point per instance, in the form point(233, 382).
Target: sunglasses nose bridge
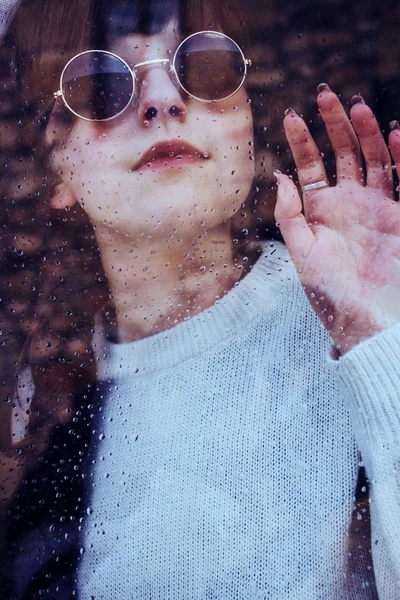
point(158, 90)
point(143, 69)
point(156, 61)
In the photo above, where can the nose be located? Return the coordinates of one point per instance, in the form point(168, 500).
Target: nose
point(159, 98)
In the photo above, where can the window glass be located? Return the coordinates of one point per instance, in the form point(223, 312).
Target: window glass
point(199, 299)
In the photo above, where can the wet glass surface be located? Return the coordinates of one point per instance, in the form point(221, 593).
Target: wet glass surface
point(191, 395)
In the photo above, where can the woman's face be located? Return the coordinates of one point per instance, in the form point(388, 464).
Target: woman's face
point(169, 164)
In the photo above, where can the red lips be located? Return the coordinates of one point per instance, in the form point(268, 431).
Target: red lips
point(168, 154)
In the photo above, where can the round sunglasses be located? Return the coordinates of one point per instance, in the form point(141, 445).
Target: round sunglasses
point(97, 85)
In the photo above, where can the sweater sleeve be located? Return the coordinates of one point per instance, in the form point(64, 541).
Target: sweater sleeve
point(370, 376)
point(7, 10)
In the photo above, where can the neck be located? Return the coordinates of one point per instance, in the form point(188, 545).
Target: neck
point(155, 285)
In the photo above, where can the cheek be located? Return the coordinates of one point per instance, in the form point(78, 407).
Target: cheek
point(76, 146)
point(234, 147)
point(232, 125)
point(82, 161)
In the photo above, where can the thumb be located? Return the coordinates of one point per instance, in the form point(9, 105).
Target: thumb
point(292, 223)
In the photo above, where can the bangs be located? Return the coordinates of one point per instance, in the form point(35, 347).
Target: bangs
point(124, 18)
point(119, 18)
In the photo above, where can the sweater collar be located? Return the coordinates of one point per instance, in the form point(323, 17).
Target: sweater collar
point(196, 335)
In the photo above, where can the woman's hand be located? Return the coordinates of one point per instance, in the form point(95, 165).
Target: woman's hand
point(346, 245)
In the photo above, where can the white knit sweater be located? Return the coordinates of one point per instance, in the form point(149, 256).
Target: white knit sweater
point(225, 460)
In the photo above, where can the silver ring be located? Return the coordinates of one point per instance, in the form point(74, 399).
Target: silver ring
point(315, 186)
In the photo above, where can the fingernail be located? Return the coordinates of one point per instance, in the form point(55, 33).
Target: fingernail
point(357, 99)
point(277, 172)
point(394, 125)
point(322, 87)
point(290, 110)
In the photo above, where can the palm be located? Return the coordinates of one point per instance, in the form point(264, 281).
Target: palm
point(346, 247)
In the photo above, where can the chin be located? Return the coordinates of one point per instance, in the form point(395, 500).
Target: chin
point(183, 208)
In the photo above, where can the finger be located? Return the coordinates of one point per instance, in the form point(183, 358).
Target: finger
point(394, 144)
point(341, 134)
point(374, 149)
point(310, 166)
point(292, 223)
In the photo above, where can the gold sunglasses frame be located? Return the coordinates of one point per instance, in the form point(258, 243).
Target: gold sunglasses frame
point(158, 61)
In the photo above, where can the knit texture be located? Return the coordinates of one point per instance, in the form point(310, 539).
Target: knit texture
point(225, 461)
point(7, 10)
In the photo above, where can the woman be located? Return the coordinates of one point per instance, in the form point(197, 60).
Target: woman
point(224, 445)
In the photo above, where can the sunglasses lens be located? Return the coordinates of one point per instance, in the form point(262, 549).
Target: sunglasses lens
point(97, 85)
point(210, 66)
